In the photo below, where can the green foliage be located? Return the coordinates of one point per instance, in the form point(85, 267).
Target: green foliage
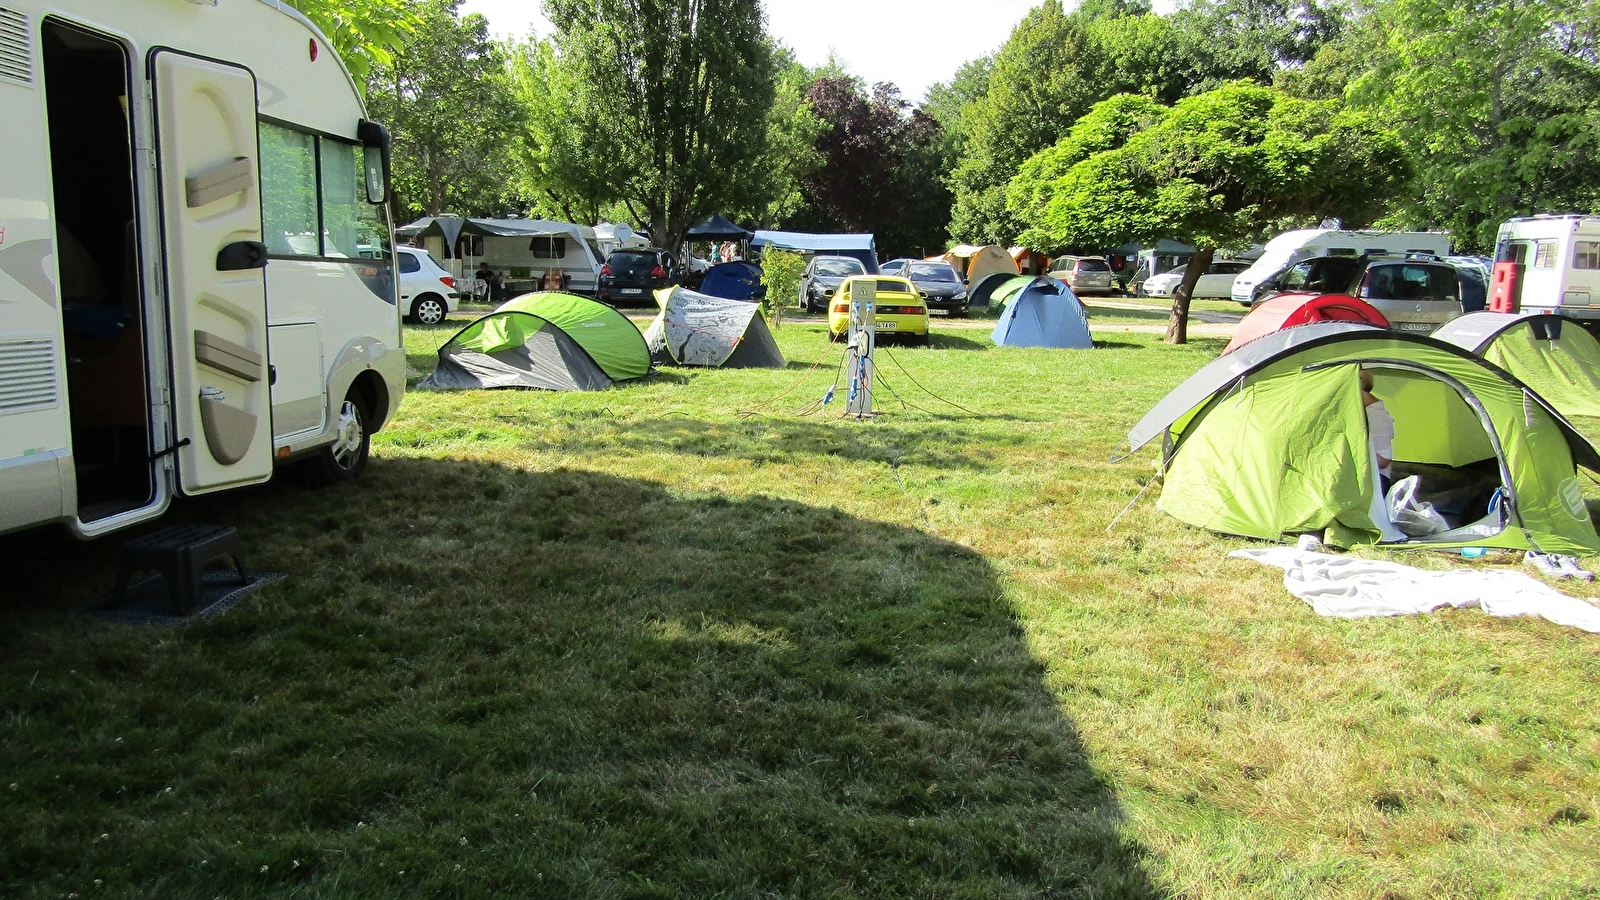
point(447, 99)
point(672, 103)
point(1499, 103)
point(790, 153)
point(780, 272)
point(365, 33)
point(1056, 65)
point(1214, 170)
point(557, 169)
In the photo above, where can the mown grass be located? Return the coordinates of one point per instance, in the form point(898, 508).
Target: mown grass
point(675, 640)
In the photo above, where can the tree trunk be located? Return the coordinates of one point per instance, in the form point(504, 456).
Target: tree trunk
point(1178, 325)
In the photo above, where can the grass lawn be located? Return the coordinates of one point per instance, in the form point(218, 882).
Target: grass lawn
point(674, 640)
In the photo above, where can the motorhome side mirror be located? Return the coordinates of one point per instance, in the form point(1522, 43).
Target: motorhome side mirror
point(375, 156)
point(372, 163)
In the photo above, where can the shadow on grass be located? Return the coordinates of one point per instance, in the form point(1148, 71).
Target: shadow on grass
point(480, 681)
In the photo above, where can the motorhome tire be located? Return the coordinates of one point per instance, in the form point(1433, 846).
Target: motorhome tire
point(344, 459)
point(427, 309)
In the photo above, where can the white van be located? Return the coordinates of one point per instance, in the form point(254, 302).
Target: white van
point(1291, 247)
point(187, 193)
point(1548, 264)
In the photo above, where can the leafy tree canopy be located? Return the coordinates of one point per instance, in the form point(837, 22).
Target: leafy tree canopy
point(447, 100)
point(364, 32)
point(1215, 170)
point(677, 93)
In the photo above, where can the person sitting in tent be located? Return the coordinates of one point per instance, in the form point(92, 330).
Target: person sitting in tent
point(1380, 431)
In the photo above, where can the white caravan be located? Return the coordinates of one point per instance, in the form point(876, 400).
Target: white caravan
point(182, 300)
point(1548, 264)
point(527, 254)
point(1284, 251)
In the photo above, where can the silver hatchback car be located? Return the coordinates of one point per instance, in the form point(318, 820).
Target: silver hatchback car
point(1084, 274)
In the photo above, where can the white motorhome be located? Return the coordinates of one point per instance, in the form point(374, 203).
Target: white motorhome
point(1284, 251)
point(1548, 264)
point(527, 254)
point(182, 301)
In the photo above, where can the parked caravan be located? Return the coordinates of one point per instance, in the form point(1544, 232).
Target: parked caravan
point(1291, 247)
point(528, 254)
point(1548, 264)
point(196, 268)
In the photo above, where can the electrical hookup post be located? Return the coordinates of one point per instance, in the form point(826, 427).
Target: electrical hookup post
point(863, 338)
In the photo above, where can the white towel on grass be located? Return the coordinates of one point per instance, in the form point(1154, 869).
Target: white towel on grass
point(1353, 588)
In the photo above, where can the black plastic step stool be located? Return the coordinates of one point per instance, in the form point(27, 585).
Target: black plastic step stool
point(181, 554)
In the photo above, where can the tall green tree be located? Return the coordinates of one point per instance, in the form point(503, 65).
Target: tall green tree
point(1498, 100)
point(557, 169)
point(1215, 170)
point(447, 99)
point(364, 32)
point(678, 93)
point(790, 156)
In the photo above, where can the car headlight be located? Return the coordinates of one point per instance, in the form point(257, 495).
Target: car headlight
point(959, 295)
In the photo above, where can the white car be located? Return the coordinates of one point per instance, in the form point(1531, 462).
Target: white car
point(427, 291)
point(1215, 284)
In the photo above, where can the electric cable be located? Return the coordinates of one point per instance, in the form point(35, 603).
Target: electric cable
point(924, 389)
point(745, 414)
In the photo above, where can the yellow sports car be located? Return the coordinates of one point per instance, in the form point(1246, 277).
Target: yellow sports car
point(900, 310)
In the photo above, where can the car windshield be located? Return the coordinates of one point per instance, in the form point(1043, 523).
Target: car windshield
point(1177, 273)
point(1093, 265)
point(840, 266)
point(933, 272)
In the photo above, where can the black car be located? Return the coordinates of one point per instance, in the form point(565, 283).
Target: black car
point(631, 277)
point(823, 276)
point(941, 287)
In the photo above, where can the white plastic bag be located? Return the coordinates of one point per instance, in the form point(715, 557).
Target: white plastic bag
point(1412, 516)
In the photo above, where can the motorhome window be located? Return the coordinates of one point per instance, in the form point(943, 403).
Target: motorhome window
point(289, 191)
point(547, 247)
point(1586, 255)
point(1545, 256)
point(349, 222)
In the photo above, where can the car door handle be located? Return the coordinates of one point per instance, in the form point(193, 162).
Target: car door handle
point(241, 255)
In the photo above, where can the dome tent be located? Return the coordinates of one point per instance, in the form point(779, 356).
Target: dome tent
point(1271, 441)
point(1553, 355)
point(554, 341)
point(702, 330)
point(1290, 310)
point(1042, 313)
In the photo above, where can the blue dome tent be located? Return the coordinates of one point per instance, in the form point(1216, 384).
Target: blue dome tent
point(1045, 313)
point(736, 280)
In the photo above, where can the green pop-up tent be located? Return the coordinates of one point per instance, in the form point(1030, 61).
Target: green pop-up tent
point(555, 341)
point(1271, 441)
point(1551, 354)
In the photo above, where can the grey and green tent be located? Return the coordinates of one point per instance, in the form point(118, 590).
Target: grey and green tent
point(554, 341)
point(1271, 441)
point(1553, 355)
point(701, 330)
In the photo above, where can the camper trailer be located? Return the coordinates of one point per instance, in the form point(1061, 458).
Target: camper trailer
point(1548, 264)
point(1284, 251)
point(183, 303)
point(527, 254)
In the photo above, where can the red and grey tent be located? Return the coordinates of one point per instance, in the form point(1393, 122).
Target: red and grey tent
point(1290, 310)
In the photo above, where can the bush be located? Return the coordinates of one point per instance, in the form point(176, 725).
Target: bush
point(781, 271)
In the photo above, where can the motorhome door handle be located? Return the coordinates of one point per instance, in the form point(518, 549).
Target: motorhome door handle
point(242, 255)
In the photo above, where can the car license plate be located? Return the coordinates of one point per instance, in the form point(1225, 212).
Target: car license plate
point(934, 311)
point(633, 290)
point(885, 326)
point(1423, 327)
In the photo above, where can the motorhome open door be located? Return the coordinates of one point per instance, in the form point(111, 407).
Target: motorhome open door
point(215, 271)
